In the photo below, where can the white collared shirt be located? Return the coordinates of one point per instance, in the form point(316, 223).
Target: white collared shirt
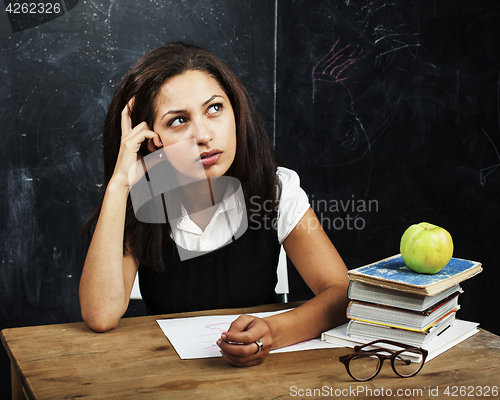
point(229, 214)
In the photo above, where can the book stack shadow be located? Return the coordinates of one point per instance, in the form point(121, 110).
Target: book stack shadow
point(390, 301)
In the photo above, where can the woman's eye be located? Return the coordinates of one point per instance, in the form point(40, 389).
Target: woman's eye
point(177, 121)
point(214, 108)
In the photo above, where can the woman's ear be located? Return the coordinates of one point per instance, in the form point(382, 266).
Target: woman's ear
point(151, 146)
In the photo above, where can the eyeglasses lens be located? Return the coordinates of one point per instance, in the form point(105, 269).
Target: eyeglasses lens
point(363, 367)
point(408, 362)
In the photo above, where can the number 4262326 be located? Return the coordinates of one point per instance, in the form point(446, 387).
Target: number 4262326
point(471, 391)
point(34, 8)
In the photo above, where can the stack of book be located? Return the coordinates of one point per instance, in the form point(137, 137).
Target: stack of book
point(390, 301)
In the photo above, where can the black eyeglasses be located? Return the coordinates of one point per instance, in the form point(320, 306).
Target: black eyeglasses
point(363, 365)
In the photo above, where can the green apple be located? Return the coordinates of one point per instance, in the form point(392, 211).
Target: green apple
point(426, 248)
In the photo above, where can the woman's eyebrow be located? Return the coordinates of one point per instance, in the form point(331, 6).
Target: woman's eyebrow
point(173, 112)
point(211, 98)
point(185, 111)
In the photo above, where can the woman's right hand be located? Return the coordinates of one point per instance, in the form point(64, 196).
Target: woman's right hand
point(126, 171)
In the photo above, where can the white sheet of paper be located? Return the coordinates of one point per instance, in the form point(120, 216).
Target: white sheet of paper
point(196, 337)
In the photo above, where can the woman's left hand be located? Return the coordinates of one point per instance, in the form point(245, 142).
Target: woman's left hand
point(238, 345)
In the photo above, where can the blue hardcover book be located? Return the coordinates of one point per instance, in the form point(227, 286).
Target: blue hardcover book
point(393, 273)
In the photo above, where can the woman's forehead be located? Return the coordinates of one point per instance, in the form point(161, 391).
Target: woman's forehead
point(190, 86)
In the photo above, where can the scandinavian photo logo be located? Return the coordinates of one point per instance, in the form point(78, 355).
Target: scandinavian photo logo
point(344, 213)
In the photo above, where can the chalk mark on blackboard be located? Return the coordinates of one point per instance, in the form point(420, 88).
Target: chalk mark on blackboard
point(104, 12)
point(396, 41)
point(20, 234)
point(331, 67)
point(33, 90)
point(107, 13)
point(485, 172)
point(405, 46)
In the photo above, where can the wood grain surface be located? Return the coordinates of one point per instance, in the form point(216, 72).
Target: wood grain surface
point(136, 361)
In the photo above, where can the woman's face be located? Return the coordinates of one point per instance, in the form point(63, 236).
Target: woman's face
point(195, 121)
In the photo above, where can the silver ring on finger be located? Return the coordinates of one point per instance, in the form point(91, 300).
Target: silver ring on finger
point(259, 345)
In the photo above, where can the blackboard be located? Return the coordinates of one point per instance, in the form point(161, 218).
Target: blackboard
point(390, 112)
point(56, 81)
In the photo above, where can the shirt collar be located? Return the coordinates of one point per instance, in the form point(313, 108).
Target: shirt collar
point(230, 201)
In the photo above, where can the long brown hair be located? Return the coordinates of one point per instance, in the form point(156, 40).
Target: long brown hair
point(255, 162)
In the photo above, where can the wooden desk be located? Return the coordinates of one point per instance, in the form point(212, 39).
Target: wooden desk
point(136, 361)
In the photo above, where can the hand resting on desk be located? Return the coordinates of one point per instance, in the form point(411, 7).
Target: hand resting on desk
point(238, 345)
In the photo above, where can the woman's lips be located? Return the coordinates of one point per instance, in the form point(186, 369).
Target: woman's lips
point(210, 158)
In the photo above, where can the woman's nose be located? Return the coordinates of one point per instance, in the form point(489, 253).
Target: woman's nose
point(202, 133)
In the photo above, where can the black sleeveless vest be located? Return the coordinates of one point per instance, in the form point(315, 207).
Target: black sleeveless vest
point(240, 274)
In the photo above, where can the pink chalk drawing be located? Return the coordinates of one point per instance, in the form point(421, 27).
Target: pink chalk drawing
point(332, 67)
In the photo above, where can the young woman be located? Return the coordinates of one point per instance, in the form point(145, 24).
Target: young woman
point(181, 94)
